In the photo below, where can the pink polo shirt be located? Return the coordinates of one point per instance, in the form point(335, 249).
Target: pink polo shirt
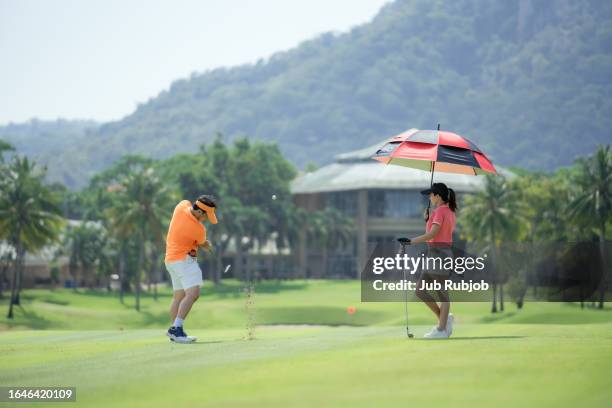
point(444, 217)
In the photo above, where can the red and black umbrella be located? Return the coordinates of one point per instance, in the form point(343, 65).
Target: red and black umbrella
point(435, 150)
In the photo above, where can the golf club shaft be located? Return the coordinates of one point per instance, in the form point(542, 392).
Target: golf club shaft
point(406, 296)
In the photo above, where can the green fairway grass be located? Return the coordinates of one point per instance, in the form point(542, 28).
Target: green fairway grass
point(308, 351)
point(292, 302)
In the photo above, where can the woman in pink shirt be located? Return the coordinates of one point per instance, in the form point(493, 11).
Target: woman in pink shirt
point(439, 238)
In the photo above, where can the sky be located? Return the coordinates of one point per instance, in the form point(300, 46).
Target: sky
point(98, 59)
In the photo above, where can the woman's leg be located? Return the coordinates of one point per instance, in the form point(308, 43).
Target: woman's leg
point(426, 297)
point(444, 311)
point(444, 305)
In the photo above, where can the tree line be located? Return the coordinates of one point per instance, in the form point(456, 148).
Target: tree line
point(571, 205)
point(124, 212)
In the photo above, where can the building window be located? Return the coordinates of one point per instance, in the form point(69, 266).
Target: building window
point(343, 201)
point(376, 203)
point(395, 204)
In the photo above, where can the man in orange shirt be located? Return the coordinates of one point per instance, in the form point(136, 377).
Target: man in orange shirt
point(185, 235)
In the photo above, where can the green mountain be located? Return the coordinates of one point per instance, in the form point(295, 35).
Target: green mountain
point(46, 141)
point(528, 81)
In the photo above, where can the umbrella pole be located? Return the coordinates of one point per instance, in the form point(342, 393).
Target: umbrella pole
point(433, 168)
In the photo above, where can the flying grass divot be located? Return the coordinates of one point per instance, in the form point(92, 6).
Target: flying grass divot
point(249, 308)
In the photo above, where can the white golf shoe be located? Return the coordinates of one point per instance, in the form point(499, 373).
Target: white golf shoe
point(449, 324)
point(436, 334)
point(184, 339)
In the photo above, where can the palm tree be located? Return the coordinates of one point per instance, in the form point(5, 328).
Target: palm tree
point(5, 263)
point(83, 243)
point(545, 199)
point(106, 261)
point(114, 249)
point(7, 255)
point(316, 232)
point(591, 202)
point(294, 232)
point(156, 257)
point(338, 232)
point(493, 215)
point(30, 217)
point(255, 225)
point(139, 213)
point(231, 229)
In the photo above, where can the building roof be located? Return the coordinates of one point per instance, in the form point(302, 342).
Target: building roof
point(357, 170)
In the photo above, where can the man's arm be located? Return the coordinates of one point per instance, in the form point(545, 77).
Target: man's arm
point(207, 246)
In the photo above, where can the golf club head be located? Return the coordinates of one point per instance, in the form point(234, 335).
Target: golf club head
point(410, 335)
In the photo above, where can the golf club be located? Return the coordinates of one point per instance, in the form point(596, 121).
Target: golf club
point(404, 242)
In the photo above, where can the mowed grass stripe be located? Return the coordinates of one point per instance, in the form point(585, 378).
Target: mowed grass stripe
point(72, 351)
point(317, 302)
point(386, 370)
point(503, 365)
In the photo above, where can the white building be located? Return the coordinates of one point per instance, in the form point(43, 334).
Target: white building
point(384, 201)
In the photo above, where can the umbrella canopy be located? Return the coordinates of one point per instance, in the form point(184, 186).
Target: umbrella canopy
point(435, 150)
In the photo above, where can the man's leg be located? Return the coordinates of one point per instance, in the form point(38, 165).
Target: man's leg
point(190, 277)
point(177, 296)
point(191, 295)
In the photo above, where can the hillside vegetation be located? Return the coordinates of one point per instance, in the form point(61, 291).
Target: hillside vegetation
point(528, 80)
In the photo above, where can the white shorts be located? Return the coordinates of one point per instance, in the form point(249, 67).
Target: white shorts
point(185, 274)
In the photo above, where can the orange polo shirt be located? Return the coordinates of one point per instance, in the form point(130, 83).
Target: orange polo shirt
point(184, 234)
